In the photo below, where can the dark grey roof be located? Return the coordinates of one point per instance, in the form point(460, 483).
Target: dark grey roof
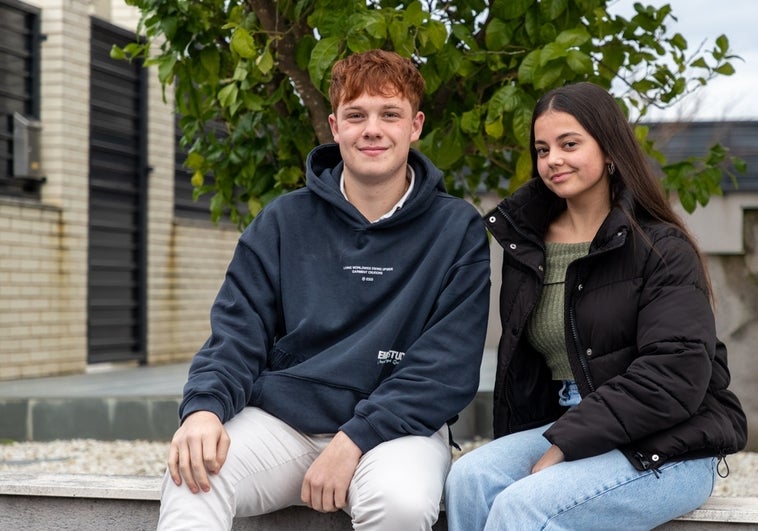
point(679, 140)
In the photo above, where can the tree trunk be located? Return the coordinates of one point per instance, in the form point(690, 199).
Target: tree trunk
point(289, 32)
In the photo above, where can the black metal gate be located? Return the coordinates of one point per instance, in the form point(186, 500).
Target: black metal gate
point(116, 304)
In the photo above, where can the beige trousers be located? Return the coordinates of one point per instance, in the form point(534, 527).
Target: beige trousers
point(397, 485)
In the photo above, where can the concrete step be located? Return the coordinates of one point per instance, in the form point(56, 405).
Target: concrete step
point(121, 403)
point(132, 403)
point(107, 419)
point(147, 418)
point(92, 503)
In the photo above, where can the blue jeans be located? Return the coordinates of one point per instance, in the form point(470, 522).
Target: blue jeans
point(492, 488)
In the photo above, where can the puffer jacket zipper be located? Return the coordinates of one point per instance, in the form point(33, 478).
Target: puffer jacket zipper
point(516, 228)
point(580, 353)
point(582, 357)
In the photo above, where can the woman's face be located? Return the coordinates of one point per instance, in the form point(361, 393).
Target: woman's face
point(569, 160)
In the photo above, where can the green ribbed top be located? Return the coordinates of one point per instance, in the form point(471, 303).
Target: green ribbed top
point(545, 329)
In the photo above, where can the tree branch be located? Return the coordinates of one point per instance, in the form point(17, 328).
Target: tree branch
point(313, 100)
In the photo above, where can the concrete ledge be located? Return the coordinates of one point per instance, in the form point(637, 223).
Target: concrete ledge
point(130, 503)
point(719, 512)
point(146, 488)
point(124, 503)
point(149, 418)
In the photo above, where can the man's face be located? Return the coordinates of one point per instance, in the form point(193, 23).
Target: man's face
point(374, 134)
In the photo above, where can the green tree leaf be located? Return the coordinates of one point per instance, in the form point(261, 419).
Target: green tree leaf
point(242, 43)
point(573, 37)
point(510, 9)
point(228, 95)
point(498, 34)
point(324, 54)
point(579, 62)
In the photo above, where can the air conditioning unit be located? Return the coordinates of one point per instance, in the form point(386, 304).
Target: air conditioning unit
point(26, 148)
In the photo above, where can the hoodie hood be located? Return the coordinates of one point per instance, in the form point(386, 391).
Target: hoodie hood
point(324, 168)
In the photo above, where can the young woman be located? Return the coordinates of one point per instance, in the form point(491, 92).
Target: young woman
point(611, 401)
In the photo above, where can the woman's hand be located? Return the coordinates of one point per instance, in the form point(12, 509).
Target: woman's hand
point(553, 456)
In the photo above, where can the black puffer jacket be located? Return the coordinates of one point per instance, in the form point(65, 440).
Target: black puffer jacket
point(640, 335)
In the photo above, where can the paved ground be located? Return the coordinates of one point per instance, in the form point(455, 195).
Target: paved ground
point(134, 381)
point(101, 381)
point(133, 402)
point(111, 402)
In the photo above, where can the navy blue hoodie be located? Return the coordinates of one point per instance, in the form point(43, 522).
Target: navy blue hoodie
point(331, 322)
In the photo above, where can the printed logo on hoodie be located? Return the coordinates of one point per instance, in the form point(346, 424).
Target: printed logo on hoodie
point(389, 356)
point(368, 273)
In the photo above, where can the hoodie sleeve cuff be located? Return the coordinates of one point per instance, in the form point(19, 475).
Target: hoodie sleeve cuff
point(361, 433)
point(201, 403)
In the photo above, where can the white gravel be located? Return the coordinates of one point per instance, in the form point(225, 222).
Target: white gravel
point(147, 458)
point(86, 456)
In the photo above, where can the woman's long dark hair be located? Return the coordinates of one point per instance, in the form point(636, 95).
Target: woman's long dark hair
point(599, 114)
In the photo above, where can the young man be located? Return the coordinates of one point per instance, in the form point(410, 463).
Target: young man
point(348, 332)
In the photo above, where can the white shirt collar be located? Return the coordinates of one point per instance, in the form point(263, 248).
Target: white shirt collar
point(398, 205)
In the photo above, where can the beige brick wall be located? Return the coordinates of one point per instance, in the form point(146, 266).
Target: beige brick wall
point(200, 255)
point(37, 325)
point(43, 245)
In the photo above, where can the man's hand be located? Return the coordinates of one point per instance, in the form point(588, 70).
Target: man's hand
point(199, 447)
point(327, 480)
point(553, 456)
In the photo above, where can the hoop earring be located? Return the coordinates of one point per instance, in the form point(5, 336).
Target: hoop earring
point(611, 168)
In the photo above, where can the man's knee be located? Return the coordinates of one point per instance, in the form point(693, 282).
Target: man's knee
point(397, 508)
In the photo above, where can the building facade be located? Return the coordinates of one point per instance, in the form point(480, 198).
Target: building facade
point(100, 261)
point(105, 259)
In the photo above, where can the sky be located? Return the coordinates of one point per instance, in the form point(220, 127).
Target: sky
point(727, 97)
